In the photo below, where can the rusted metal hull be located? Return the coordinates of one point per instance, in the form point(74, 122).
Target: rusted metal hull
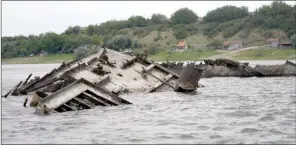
point(189, 78)
point(231, 68)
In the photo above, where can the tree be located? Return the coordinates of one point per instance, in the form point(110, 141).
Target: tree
point(136, 21)
point(90, 30)
point(158, 19)
point(84, 50)
point(215, 43)
point(184, 16)
point(96, 39)
point(73, 30)
point(120, 42)
point(226, 13)
point(152, 48)
point(136, 44)
point(180, 34)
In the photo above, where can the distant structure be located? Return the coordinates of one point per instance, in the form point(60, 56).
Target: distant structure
point(199, 20)
point(285, 44)
point(278, 43)
point(273, 42)
point(181, 46)
point(233, 44)
point(42, 53)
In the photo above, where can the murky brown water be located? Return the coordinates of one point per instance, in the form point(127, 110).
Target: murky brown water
point(227, 110)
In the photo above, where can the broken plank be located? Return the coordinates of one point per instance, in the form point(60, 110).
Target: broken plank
point(160, 83)
point(26, 81)
point(114, 96)
point(42, 85)
point(93, 99)
point(128, 63)
point(158, 78)
point(111, 102)
point(15, 90)
point(148, 68)
point(163, 69)
point(82, 103)
point(68, 107)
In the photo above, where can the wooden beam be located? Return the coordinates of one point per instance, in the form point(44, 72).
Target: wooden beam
point(69, 108)
point(164, 82)
point(93, 99)
point(163, 68)
point(82, 103)
point(151, 66)
point(112, 103)
point(168, 77)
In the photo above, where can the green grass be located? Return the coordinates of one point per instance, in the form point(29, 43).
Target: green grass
point(251, 54)
point(186, 55)
point(266, 54)
point(56, 58)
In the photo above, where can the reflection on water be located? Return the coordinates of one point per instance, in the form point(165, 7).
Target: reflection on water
point(227, 110)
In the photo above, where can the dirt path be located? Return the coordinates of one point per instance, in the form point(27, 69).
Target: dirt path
point(231, 53)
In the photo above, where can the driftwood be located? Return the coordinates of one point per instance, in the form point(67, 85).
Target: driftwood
point(10, 91)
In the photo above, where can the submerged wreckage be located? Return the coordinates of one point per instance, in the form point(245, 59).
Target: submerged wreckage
point(98, 79)
point(230, 68)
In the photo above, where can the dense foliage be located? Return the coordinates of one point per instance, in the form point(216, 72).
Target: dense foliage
point(226, 20)
point(226, 13)
point(277, 15)
point(184, 16)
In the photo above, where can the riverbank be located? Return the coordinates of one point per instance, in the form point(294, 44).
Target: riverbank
point(56, 58)
point(259, 53)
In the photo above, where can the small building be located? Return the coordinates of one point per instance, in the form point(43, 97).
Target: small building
point(199, 20)
point(42, 53)
point(181, 46)
point(234, 44)
point(285, 44)
point(273, 42)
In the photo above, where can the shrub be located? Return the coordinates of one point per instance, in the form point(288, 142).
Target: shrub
point(84, 50)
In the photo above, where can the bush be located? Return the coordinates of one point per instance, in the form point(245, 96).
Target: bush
point(136, 44)
point(191, 29)
point(119, 42)
point(184, 16)
point(152, 49)
point(267, 34)
point(84, 50)
point(180, 32)
point(138, 32)
point(216, 43)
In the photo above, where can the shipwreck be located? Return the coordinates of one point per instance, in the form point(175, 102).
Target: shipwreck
point(99, 78)
point(231, 68)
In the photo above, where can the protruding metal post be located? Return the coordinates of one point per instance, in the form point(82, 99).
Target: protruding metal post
point(188, 80)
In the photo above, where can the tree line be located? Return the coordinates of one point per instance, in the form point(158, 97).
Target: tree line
point(183, 22)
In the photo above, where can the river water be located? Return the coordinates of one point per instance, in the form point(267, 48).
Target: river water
point(227, 110)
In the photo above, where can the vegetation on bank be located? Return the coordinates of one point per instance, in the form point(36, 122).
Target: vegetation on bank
point(186, 55)
point(266, 54)
point(160, 33)
point(55, 58)
point(250, 54)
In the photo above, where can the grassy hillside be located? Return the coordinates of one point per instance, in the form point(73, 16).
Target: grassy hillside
point(266, 54)
point(165, 39)
point(56, 58)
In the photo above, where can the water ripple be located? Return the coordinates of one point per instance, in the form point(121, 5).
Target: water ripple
point(227, 110)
